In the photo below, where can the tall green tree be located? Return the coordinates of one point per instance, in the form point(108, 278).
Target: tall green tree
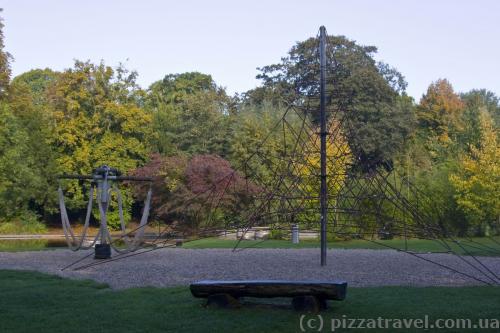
point(20, 183)
point(477, 180)
point(378, 120)
point(190, 115)
point(477, 103)
point(484, 98)
point(25, 157)
point(5, 58)
point(40, 156)
point(253, 131)
point(432, 155)
point(98, 120)
point(37, 82)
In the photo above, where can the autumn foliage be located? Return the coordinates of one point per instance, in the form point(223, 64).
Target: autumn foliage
point(188, 190)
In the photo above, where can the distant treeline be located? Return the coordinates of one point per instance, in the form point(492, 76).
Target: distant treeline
point(186, 131)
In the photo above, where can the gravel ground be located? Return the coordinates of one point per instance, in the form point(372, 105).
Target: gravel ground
point(171, 267)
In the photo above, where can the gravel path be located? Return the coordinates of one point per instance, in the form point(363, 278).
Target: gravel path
point(169, 267)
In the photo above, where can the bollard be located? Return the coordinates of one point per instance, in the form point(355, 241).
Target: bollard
point(295, 233)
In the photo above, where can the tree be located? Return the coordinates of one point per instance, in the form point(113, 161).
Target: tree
point(25, 158)
point(20, 184)
point(37, 81)
point(253, 133)
point(440, 111)
point(98, 120)
point(377, 120)
point(477, 180)
point(36, 123)
point(190, 114)
point(432, 155)
point(5, 59)
point(339, 159)
point(484, 98)
point(197, 192)
point(477, 102)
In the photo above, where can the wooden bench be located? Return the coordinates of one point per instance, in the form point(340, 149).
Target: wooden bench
point(307, 295)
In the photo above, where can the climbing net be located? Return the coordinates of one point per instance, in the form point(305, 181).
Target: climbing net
point(366, 200)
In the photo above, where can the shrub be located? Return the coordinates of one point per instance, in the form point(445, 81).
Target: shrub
point(277, 234)
point(25, 223)
point(330, 237)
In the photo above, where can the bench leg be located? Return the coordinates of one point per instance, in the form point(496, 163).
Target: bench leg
point(223, 301)
point(308, 303)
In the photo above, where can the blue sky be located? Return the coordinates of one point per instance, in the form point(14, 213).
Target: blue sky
point(424, 39)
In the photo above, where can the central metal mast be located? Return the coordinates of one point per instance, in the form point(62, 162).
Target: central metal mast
point(323, 135)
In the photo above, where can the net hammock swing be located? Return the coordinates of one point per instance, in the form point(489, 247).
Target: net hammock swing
point(104, 183)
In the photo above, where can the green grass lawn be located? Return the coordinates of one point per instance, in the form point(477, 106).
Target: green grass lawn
point(16, 245)
point(20, 245)
point(488, 247)
point(35, 302)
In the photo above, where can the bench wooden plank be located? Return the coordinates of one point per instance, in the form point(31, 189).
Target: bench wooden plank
point(328, 290)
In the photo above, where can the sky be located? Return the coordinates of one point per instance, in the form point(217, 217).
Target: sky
point(424, 39)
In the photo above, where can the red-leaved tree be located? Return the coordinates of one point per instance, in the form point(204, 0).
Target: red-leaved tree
point(195, 193)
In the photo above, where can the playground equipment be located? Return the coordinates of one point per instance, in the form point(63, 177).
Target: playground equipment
point(322, 179)
point(104, 182)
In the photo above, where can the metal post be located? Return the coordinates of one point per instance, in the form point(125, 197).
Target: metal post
point(323, 134)
point(295, 234)
point(102, 250)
